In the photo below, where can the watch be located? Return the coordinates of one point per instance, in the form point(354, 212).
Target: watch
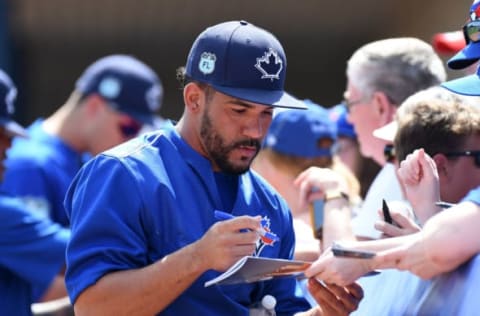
point(336, 194)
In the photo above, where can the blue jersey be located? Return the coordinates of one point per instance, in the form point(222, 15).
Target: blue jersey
point(32, 252)
point(135, 204)
point(473, 196)
point(48, 165)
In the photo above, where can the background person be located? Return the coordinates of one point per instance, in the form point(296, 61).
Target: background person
point(348, 149)
point(32, 248)
point(380, 76)
point(112, 99)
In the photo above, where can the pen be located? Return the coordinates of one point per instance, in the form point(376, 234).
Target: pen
point(262, 232)
point(444, 204)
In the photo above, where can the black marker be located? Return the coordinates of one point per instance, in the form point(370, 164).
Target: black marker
point(444, 204)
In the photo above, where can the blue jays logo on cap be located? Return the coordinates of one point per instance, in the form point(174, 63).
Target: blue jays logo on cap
point(270, 65)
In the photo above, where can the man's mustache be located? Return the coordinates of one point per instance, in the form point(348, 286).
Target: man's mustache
point(248, 142)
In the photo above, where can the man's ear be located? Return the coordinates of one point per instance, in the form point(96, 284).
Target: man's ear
point(384, 109)
point(92, 104)
point(193, 96)
point(443, 167)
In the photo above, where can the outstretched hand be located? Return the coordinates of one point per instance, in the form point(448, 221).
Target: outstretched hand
point(339, 271)
point(335, 300)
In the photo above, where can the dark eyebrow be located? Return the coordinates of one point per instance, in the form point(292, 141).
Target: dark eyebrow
point(246, 104)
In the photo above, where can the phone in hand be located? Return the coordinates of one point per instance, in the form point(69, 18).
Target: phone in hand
point(316, 215)
point(339, 251)
point(386, 212)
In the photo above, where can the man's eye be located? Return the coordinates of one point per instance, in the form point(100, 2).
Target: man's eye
point(242, 110)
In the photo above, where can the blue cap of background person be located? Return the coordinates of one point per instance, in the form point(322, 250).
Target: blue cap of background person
point(299, 132)
point(126, 83)
point(8, 94)
point(338, 115)
point(468, 85)
point(243, 61)
point(471, 53)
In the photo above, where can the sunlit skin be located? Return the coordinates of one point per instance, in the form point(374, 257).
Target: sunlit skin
point(454, 185)
point(227, 131)
point(366, 116)
point(91, 126)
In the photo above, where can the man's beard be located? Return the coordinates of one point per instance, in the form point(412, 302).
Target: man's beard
point(218, 151)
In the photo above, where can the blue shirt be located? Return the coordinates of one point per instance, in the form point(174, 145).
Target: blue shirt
point(473, 196)
point(32, 252)
point(149, 197)
point(47, 165)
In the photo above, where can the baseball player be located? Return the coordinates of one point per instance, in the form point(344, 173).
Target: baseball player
point(111, 101)
point(145, 238)
point(32, 248)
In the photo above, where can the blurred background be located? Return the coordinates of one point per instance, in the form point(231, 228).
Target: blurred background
point(46, 44)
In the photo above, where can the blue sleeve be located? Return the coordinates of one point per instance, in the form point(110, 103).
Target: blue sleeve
point(20, 171)
point(33, 248)
point(16, 177)
point(103, 204)
point(473, 196)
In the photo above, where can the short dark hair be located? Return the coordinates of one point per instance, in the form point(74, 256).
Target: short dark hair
point(436, 120)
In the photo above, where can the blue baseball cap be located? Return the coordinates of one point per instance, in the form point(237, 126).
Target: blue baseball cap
point(468, 85)
point(338, 114)
point(126, 83)
point(8, 94)
point(244, 61)
point(298, 132)
point(471, 53)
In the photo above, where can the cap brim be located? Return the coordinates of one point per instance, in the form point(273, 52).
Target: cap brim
point(276, 98)
point(387, 132)
point(13, 128)
point(469, 85)
point(466, 57)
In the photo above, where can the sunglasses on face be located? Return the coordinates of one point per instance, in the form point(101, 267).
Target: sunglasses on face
point(471, 31)
point(129, 127)
point(349, 104)
point(475, 154)
point(389, 153)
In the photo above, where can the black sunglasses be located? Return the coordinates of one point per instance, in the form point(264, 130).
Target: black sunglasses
point(349, 104)
point(389, 153)
point(469, 153)
point(129, 127)
point(471, 31)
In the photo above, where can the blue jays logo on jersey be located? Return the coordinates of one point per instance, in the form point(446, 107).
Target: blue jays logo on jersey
point(270, 65)
point(267, 237)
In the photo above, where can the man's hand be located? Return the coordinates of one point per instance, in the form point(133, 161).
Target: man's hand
point(335, 300)
point(228, 241)
point(314, 182)
point(404, 224)
point(419, 176)
point(339, 271)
